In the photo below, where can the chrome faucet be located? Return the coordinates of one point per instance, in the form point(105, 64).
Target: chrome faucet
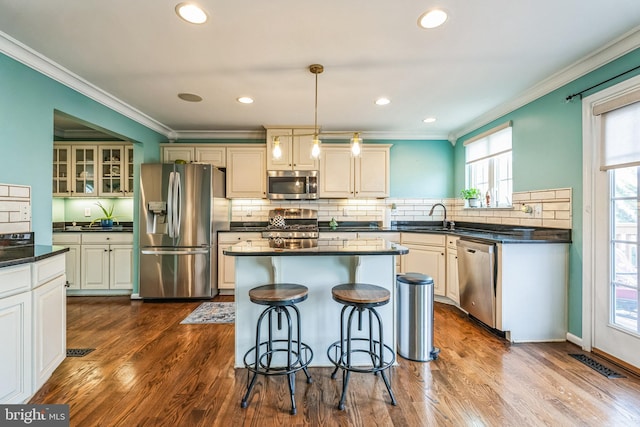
point(445, 223)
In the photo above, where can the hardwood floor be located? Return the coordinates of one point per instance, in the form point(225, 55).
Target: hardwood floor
point(149, 370)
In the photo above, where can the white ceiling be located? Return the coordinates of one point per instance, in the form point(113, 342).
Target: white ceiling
point(486, 55)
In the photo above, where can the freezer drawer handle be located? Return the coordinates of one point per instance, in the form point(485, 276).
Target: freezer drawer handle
point(170, 252)
point(471, 251)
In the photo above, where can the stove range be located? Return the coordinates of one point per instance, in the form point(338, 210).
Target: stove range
point(293, 223)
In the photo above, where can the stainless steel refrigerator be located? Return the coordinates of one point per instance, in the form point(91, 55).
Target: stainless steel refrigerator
point(182, 207)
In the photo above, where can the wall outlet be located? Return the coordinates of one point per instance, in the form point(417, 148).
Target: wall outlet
point(87, 211)
point(345, 211)
point(537, 210)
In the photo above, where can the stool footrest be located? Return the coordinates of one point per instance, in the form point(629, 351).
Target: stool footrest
point(300, 361)
point(339, 359)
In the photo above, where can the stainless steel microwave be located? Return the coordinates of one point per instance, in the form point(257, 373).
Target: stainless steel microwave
point(292, 185)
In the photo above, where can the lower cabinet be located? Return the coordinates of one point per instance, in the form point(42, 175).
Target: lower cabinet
point(227, 264)
point(33, 325)
point(98, 261)
point(427, 256)
point(16, 349)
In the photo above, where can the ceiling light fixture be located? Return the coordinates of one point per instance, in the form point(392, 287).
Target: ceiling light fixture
point(432, 18)
point(191, 13)
point(429, 120)
point(245, 100)
point(356, 141)
point(383, 101)
point(190, 97)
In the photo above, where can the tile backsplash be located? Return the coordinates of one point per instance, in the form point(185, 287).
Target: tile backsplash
point(544, 208)
point(15, 208)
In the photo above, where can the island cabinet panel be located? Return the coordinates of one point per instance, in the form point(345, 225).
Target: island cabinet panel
point(427, 256)
point(320, 314)
point(531, 291)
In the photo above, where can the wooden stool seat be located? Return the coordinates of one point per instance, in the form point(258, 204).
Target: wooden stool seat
point(280, 293)
point(360, 293)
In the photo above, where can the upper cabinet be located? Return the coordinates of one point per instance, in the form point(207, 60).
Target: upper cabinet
point(344, 176)
point(204, 153)
point(90, 170)
point(116, 170)
point(295, 145)
point(246, 171)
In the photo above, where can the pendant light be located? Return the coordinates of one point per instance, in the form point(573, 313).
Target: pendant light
point(315, 149)
point(277, 151)
point(356, 144)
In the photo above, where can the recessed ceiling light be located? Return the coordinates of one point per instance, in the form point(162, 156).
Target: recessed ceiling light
point(245, 100)
point(190, 97)
point(383, 101)
point(432, 19)
point(192, 13)
point(429, 120)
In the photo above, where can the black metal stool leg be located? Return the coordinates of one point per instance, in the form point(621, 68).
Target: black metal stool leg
point(382, 373)
point(300, 349)
point(346, 373)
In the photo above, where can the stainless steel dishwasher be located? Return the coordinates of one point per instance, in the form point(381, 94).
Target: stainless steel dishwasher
point(477, 278)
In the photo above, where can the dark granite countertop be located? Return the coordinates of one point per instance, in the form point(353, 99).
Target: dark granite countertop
point(27, 254)
point(340, 247)
point(82, 227)
point(488, 232)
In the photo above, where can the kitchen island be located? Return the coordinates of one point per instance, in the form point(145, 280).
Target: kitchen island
point(319, 268)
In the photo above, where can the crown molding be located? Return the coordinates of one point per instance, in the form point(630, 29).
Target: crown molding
point(32, 59)
point(328, 135)
point(610, 52)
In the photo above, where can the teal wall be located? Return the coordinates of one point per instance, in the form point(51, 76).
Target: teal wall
point(547, 153)
point(27, 103)
point(421, 169)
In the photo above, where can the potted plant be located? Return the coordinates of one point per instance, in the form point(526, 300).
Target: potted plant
point(107, 220)
point(472, 197)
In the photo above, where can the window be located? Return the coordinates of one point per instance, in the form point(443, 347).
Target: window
point(488, 165)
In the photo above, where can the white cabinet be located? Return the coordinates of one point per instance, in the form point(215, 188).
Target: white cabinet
point(246, 171)
point(115, 170)
point(453, 286)
point(16, 349)
point(226, 264)
point(32, 326)
point(174, 152)
point(88, 169)
point(97, 261)
point(72, 257)
point(296, 145)
point(106, 261)
point(344, 176)
point(49, 307)
point(427, 256)
point(213, 154)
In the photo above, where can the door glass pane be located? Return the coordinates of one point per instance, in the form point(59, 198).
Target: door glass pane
point(624, 248)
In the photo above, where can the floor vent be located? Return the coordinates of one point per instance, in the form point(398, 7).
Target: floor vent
point(597, 366)
point(78, 352)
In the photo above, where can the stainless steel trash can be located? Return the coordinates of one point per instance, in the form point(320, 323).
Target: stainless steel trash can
point(415, 317)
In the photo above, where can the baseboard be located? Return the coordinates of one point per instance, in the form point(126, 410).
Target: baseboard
point(136, 296)
point(574, 339)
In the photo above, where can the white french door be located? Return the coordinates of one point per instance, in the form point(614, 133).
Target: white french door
point(611, 234)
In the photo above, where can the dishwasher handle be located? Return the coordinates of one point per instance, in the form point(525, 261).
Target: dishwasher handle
point(473, 246)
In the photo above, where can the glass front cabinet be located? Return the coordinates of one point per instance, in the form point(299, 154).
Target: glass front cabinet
point(92, 170)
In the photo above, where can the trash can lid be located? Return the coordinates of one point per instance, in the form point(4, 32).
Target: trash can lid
point(415, 279)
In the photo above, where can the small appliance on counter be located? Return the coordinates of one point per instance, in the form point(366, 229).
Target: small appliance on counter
point(182, 207)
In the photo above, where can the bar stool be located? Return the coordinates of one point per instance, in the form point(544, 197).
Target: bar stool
point(358, 298)
point(291, 355)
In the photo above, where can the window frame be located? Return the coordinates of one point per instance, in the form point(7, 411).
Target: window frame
point(487, 151)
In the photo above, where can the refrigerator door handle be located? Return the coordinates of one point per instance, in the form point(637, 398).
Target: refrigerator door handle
point(185, 251)
point(170, 206)
point(178, 205)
